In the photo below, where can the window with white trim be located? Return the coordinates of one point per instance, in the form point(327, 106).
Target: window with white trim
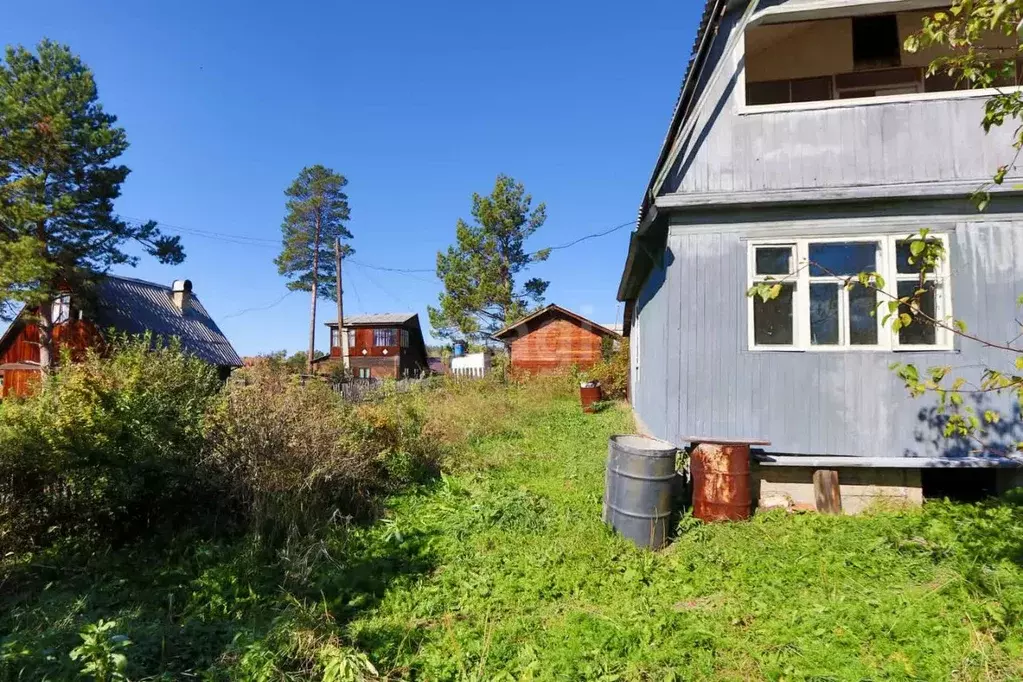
point(821, 305)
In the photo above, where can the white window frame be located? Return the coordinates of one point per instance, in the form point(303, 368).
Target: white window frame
point(888, 340)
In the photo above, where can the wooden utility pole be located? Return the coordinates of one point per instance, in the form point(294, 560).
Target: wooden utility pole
point(342, 338)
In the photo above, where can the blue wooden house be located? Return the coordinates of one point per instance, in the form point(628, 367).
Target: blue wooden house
point(805, 132)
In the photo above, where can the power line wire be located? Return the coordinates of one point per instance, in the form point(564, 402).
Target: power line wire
point(386, 291)
point(358, 298)
point(206, 233)
point(386, 269)
point(265, 307)
point(589, 236)
point(246, 240)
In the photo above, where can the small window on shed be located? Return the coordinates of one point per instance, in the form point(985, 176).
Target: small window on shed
point(876, 42)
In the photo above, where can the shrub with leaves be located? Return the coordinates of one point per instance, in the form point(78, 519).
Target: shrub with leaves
point(613, 372)
point(101, 652)
point(293, 455)
point(108, 447)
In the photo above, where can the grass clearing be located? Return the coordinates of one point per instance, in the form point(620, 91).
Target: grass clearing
point(501, 569)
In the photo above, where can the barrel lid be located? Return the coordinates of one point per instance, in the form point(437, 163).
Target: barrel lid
point(643, 445)
point(722, 441)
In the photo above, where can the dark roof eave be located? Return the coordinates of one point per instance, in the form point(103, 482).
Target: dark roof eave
point(713, 10)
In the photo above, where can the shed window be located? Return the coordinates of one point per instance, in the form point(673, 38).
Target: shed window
point(385, 337)
point(822, 306)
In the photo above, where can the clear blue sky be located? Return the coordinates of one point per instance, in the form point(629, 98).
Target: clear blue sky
point(418, 104)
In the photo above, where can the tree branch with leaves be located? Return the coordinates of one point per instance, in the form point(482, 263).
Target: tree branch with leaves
point(481, 270)
point(58, 182)
point(318, 214)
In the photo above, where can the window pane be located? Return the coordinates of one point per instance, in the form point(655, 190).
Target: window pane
point(824, 314)
point(384, 337)
point(842, 258)
point(862, 325)
point(774, 260)
point(771, 92)
point(920, 331)
point(902, 256)
point(876, 41)
point(772, 320)
point(811, 89)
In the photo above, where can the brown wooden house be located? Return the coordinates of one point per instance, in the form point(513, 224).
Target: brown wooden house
point(126, 305)
point(554, 339)
point(380, 346)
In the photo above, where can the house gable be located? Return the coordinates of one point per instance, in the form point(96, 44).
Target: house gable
point(554, 339)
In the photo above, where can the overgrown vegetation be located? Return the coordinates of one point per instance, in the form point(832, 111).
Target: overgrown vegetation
point(612, 371)
point(497, 568)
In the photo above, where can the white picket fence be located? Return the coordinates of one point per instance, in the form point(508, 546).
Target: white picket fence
point(470, 372)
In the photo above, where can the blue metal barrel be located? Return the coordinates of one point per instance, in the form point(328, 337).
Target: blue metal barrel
point(459, 349)
point(638, 488)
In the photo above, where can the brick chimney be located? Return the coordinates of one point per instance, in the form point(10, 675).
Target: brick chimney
point(181, 294)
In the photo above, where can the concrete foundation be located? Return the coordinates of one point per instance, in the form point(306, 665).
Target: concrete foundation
point(860, 486)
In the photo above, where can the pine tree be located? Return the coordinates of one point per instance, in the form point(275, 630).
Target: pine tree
point(317, 213)
point(479, 271)
point(58, 183)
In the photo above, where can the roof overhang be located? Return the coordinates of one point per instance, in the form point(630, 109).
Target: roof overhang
point(552, 308)
point(807, 10)
point(713, 11)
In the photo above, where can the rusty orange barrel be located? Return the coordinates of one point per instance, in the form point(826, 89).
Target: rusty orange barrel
point(589, 393)
point(721, 481)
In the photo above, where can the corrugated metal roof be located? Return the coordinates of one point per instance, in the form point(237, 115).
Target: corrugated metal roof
point(375, 318)
point(136, 306)
point(556, 310)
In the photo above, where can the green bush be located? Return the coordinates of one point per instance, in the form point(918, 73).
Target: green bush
point(613, 372)
point(293, 456)
point(108, 447)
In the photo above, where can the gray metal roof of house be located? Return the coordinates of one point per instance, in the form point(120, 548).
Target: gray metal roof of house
point(709, 20)
point(375, 318)
point(135, 306)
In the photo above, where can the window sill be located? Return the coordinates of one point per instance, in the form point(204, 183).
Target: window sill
point(844, 349)
point(752, 109)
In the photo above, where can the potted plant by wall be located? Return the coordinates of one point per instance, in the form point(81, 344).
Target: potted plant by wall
point(589, 394)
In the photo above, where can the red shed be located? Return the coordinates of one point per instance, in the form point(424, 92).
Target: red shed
point(554, 339)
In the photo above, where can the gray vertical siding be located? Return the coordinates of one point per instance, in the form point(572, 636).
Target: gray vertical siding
point(723, 148)
point(699, 378)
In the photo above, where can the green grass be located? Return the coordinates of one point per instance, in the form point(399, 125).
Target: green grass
point(503, 570)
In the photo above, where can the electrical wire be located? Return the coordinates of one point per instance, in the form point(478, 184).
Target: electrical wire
point(385, 290)
point(265, 307)
point(595, 235)
point(246, 240)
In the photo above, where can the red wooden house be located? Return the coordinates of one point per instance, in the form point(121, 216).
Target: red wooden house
point(554, 339)
point(125, 305)
point(380, 346)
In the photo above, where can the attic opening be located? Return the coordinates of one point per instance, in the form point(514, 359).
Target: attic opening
point(852, 57)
